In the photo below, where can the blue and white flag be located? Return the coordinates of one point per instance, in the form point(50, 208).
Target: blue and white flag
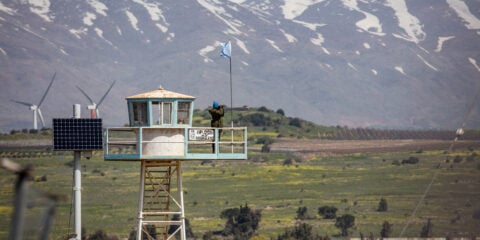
point(226, 50)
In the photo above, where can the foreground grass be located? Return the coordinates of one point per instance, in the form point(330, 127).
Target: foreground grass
point(353, 183)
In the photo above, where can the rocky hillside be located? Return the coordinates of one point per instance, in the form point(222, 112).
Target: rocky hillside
point(356, 63)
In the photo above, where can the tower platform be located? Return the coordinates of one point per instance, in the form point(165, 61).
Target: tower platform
point(182, 143)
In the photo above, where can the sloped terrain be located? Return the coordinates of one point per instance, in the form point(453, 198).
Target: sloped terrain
point(395, 64)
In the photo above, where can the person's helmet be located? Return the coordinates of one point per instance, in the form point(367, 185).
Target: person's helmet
point(215, 104)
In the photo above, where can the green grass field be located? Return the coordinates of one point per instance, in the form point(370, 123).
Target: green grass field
point(353, 183)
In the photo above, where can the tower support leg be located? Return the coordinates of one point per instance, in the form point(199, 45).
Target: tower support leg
point(161, 212)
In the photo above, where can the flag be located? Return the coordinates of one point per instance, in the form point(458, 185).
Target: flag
point(226, 50)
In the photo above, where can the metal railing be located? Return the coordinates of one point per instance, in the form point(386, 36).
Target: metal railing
point(136, 143)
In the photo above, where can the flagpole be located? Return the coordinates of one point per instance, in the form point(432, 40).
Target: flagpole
point(227, 52)
point(231, 92)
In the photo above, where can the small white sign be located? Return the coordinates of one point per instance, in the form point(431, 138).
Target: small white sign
point(201, 134)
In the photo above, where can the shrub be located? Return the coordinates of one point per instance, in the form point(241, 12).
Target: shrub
point(100, 235)
point(427, 229)
point(263, 109)
point(328, 212)
point(410, 160)
point(457, 159)
point(302, 213)
point(386, 229)
point(265, 148)
point(241, 223)
point(295, 122)
point(288, 162)
point(188, 228)
point(382, 205)
point(476, 214)
point(344, 223)
point(301, 231)
point(264, 140)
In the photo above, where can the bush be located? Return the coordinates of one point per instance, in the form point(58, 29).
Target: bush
point(427, 229)
point(386, 230)
point(265, 148)
point(100, 235)
point(476, 214)
point(257, 119)
point(301, 231)
point(295, 122)
point(241, 223)
point(263, 109)
point(457, 159)
point(288, 162)
point(302, 213)
point(382, 205)
point(150, 229)
point(410, 160)
point(344, 223)
point(264, 140)
point(188, 227)
point(328, 212)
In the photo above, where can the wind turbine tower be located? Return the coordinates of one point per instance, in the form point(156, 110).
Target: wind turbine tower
point(36, 108)
point(93, 107)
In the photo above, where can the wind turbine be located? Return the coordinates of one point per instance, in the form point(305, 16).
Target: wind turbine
point(93, 107)
point(36, 108)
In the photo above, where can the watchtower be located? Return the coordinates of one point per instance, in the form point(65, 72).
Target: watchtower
point(160, 136)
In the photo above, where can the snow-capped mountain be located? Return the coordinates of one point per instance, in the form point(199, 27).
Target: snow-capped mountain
point(389, 63)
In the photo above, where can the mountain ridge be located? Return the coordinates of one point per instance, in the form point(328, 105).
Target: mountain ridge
point(396, 64)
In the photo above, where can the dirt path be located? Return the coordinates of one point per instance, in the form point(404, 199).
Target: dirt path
point(354, 146)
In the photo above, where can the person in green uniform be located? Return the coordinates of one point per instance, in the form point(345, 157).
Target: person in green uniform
point(217, 113)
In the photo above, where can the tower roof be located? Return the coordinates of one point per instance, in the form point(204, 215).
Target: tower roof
point(161, 93)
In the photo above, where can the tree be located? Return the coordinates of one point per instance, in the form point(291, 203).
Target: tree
point(345, 222)
point(241, 223)
point(382, 205)
point(281, 112)
point(386, 229)
point(328, 212)
point(301, 231)
point(427, 229)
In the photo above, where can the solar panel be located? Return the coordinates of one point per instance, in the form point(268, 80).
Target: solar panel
point(71, 134)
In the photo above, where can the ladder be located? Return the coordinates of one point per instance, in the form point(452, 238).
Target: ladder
point(160, 211)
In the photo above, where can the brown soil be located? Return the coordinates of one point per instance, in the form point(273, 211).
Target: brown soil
point(358, 146)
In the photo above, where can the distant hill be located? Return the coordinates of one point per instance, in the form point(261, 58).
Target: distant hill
point(379, 64)
point(266, 125)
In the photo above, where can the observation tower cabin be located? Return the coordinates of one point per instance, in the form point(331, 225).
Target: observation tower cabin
point(161, 128)
point(160, 136)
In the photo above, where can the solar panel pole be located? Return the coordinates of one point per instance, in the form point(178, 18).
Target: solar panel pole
point(77, 223)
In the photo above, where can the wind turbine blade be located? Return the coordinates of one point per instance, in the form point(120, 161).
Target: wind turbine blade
point(46, 92)
point(110, 88)
point(86, 95)
point(41, 117)
point(23, 103)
